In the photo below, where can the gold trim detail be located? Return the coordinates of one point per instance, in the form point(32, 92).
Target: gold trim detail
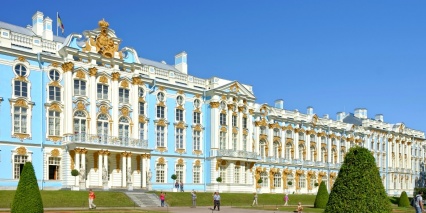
point(103, 80)
point(214, 104)
point(125, 84)
point(21, 59)
point(197, 163)
point(125, 111)
point(115, 76)
point(161, 160)
point(67, 66)
point(81, 106)
point(80, 75)
point(21, 136)
point(93, 71)
point(21, 151)
point(55, 107)
point(180, 162)
point(54, 138)
point(137, 81)
point(103, 109)
point(142, 119)
point(54, 153)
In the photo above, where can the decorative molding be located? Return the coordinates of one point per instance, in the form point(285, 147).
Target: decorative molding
point(161, 160)
point(103, 80)
point(214, 104)
point(197, 163)
point(21, 151)
point(21, 59)
point(67, 66)
point(125, 111)
point(115, 76)
point(93, 71)
point(54, 138)
point(80, 75)
point(55, 107)
point(137, 81)
point(180, 162)
point(124, 84)
point(55, 153)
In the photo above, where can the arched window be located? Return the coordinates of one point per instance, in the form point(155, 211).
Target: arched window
point(79, 125)
point(262, 151)
point(277, 180)
point(312, 154)
point(288, 148)
point(264, 177)
point(323, 155)
point(288, 134)
point(103, 128)
point(301, 136)
point(302, 152)
point(123, 130)
point(276, 150)
point(342, 155)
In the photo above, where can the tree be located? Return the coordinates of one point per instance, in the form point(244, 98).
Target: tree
point(358, 187)
point(322, 196)
point(74, 173)
point(219, 179)
point(403, 200)
point(174, 177)
point(27, 197)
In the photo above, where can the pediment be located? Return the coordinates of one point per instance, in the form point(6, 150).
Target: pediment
point(235, 88)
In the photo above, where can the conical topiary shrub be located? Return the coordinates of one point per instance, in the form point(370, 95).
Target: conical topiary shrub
point(358, 187)
point(27, 197)
point(322, 196)
point(403, 200)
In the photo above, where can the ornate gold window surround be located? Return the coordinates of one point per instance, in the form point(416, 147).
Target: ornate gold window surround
point(21, 102)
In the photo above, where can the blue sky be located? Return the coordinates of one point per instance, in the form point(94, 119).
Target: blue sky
point(331, 55)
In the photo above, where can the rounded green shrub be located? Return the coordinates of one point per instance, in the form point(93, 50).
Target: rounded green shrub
point(358, 187)
point(174, 177)
point(403, 200)
point(27, 197)
point(322, 196)
point(219, 179)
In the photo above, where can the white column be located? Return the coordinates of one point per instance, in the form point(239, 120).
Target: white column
point(68, 105)
point(296, 145)
point(123, 169)
point(100, 167)
point(77, 165)
point(215, 127)
point(83, 161)
point(129, 165)
point(135, 103)
point(114, 99)
point(92, 88)
point(230, 127)
point(270, 132)
point(105, 162)
point(145, 169)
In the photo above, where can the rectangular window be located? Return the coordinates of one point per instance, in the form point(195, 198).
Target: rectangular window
point(18, 165)
point(102, 91)
point(160, 112)
point(21, 88)
point(179, 115)
point(222, 140)
point(20, 120)
point(245, 142)
point(159, 175)
point(79, 87)
point(234, 120)
point(244, 123)
point(179, 138)
point(197, 174)
point(141, 131)
point(141, 108)
point(197, 118)
point(222, 119)
point(179, 172)
point(197, 140)
point(54, 93)
point(160, 136)
point(222, 173)
point(54, 123)
point(54, 163)
point(237, 173)
point(123, 95)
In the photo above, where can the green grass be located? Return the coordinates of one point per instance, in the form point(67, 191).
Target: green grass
point(234, 199)
point(53, 199)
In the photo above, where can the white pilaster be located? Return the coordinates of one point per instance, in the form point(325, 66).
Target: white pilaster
point(123, 169)
point(92, 88)
point(114, 99)
point(77, 166)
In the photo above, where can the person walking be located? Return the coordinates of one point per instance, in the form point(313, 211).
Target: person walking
point(286, 200)
point(419, 202)
point(177, 185)
point(162, 198)
point(181, 186)
point(92, 197)
point(194, 199)
point(299, 208)
point(254, 199)
point(216, 200)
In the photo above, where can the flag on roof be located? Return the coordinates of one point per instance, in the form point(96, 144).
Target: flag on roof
point(60, 24)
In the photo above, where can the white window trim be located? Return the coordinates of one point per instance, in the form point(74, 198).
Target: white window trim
point(12, 159)
point(61, 123)
point(48, 154)
point(201, 173)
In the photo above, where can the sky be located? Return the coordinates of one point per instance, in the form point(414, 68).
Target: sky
point(332, 55)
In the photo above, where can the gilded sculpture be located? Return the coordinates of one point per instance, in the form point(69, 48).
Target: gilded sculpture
point(104, 44)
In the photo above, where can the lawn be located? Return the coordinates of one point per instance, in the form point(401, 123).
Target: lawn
point(60, 198)
point(65, 199)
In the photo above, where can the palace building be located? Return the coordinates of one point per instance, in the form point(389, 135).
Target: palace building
point(123, 121)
